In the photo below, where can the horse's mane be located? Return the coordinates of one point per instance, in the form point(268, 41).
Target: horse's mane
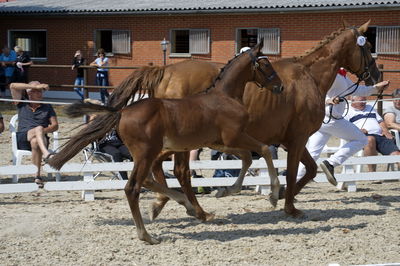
point(327, 39)
point(138, 82)
point(223, 71)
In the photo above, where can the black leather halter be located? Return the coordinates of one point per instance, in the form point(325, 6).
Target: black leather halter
point(256, 66)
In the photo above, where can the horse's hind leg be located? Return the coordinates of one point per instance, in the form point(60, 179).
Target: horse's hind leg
point(311, 171)
point(132, 190)
point(182, 173)
point(245, 156)
point(159, 175)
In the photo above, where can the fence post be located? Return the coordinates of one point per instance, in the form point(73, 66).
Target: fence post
point(85, 77)
point(380, 97)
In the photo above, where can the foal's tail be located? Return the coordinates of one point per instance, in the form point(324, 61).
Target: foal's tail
point(106, 119)
point(145, 79)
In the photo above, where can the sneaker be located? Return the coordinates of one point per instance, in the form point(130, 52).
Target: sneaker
point(329, 172)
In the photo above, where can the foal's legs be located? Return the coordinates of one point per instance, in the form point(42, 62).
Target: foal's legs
point(159, 175)
point(245, 142)
point(140, 171)
point(182, 172)
point(245, 156)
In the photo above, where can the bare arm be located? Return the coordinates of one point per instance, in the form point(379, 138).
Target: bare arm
point(390, 120)
point(18, 88)
point(53, 126)
point(385, 130)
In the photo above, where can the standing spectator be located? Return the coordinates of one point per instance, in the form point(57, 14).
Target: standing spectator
point(79, 80)
point(392, 113)
point(23, 62)
point(7, 61)
point(1, 123)
point(371, 124)
point(334, 125)
point(35, 120)
point(102, 73)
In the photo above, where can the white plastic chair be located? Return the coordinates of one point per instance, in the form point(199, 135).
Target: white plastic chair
point(17, 155)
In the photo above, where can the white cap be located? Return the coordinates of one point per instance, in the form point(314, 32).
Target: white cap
point(244, 49)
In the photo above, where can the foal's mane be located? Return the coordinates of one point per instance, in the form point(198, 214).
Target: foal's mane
point(223, 71)
point(327, 39)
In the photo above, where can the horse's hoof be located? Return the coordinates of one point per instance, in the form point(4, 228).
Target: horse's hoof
point(273, 201)
point(150, 240)
point(222, 192)
point(295, 213)
point(209, 217)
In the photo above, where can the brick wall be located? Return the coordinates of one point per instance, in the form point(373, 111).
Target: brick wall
point(299, 32)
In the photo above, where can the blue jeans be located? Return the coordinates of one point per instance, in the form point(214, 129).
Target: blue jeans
point(79, 81)
point(102, 80)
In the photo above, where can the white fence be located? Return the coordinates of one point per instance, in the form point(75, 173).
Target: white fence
point(347, 179)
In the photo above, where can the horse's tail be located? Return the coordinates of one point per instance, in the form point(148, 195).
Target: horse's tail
point(144, 79)
point(105, 120)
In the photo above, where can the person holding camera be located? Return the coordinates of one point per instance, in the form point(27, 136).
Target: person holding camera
point(79, 80)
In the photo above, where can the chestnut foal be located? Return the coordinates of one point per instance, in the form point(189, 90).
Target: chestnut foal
point(215, 118)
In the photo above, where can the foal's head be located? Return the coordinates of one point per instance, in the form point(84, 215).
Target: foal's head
point(264, 74)
point(359, 59)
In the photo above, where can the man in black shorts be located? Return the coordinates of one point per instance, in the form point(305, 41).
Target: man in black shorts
point(35, 120)
point(371, 123)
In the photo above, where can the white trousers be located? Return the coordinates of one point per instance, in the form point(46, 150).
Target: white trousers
point(356, 140)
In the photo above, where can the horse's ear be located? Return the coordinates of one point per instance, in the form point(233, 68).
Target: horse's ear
point(363, 28)
point(345, 23)
point(260, 45)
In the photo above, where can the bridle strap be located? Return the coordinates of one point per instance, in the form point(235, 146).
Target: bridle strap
point(256, 66)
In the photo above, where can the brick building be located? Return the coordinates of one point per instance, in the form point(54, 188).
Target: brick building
point(131, 31)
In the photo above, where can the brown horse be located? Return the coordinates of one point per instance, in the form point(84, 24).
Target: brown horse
point(215, 118)
point(289, 118)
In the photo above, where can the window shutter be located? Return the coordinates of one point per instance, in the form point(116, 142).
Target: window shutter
point(272, 40)
point(199, 41)
point(388, 40)
point(121, 42)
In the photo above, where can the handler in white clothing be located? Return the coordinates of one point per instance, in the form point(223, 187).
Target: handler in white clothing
point(335, 125)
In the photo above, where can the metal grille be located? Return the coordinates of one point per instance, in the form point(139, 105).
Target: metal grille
point(388, 40)
point(199, 41)
point(121, 42)
point(272, 40)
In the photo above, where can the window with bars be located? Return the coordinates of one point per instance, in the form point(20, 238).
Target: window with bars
point(114, 41)
point(388, 40)
point(34, 42)
point(190, 41)
point(251, 36)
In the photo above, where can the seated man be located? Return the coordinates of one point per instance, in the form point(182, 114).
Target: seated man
point(372, 125)
point(35, 120)
point(392, 113)
point(112, 144)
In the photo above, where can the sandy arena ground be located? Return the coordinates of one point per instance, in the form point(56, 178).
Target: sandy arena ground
point(58, 228)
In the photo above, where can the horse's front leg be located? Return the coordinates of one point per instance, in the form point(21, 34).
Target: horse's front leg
point(294, 154)
point(311, 171)
point(132, 190)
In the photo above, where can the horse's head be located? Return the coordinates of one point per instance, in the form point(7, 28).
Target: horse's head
point(264, 74)
point(359, 59)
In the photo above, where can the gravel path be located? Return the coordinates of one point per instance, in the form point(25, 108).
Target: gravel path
point(58, 228)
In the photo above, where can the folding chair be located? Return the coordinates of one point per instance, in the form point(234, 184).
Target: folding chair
point(18, 155)
point(92, 153)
